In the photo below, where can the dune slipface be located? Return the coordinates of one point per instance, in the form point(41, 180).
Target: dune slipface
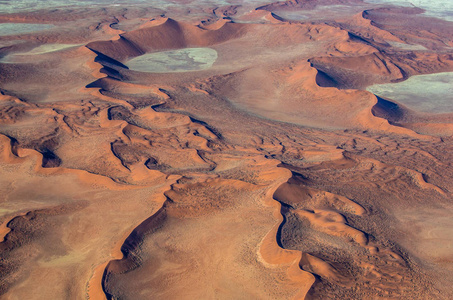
point(220, 150)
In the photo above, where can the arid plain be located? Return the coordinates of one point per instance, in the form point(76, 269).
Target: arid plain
point(220, 150)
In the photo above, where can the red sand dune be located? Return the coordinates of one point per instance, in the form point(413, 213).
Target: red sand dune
point(271, 174)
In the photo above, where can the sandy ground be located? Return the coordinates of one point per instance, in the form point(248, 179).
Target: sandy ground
point(225, 151)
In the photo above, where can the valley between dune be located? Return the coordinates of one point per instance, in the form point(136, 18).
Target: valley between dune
point(226, 151)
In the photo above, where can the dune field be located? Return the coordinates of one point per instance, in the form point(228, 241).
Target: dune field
point(224, 149)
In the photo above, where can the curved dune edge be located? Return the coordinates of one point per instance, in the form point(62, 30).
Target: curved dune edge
point(12, 155)
point(94, 288)
point(166, 35)
point(95, 285)
point(154, 22)
point(269, 253)
point(124, 262)
point(382, 35)
point(273, 18)
point(422, 123)
point(139, 41)
point(120, 262)
point(15, 156)
point(4, 229)
point(216, 25)
point(302, 268)
point(272, 255)
point(366, 119)
point(84, 176)
point(327, 219)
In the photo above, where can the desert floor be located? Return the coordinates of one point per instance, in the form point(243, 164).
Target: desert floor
point(220, 150)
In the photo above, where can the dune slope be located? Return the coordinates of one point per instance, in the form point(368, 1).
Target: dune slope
point(246, 161)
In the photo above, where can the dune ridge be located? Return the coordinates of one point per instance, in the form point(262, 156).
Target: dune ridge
point(270, 174)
